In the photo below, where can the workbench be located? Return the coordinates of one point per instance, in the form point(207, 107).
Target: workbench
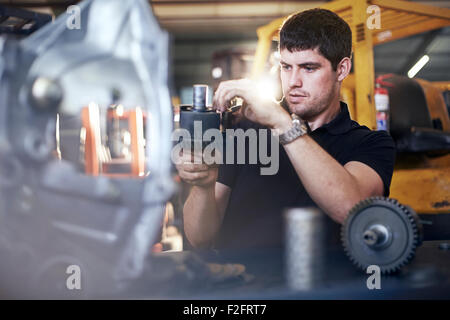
point(184, 275)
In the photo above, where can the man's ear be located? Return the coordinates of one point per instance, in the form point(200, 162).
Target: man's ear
point(343, 68)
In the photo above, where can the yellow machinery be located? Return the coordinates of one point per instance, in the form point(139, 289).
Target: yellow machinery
point(420, 181)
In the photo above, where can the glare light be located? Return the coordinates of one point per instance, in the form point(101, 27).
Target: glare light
point(267, 88)
point(217, 72)
point(126, 138)
point(277, 55)
point(418, 66)
point(119, 110)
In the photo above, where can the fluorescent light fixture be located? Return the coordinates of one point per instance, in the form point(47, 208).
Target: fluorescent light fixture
point(418, 66)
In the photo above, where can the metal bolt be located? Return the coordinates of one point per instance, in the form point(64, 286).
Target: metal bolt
point(370, 237)
point(376, 236)
point(46, 93)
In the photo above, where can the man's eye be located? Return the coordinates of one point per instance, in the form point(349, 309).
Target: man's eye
point(309, 69)
point(285, 67)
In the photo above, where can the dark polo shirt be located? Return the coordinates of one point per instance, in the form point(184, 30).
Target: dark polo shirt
point(254, 216)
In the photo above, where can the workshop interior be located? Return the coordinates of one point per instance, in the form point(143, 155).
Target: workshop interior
point(90, 95)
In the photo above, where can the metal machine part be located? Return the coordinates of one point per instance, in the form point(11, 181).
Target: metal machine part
point(233, 114)
point(198, 118)
point(304, 248)
point(200, 92)
point(53, 215)
point(381, 231)
point(21, 22)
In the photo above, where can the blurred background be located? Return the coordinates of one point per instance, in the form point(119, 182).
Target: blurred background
point(399, 83)
point(216, 40)
point(213, 41)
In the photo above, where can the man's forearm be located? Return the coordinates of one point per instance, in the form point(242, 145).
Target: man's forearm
point(201, 217)
point(328, 183)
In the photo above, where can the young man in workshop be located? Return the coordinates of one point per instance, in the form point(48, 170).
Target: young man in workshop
point(327, 160)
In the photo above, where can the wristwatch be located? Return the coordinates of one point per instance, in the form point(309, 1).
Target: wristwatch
point(299, 128)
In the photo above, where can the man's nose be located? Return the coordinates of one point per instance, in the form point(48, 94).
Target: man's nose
point(295, 79)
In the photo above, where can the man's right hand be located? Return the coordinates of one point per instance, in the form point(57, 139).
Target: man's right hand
point(196, 174)
point(205, 206)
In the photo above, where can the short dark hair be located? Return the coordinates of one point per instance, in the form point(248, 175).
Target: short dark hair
point(317, 28)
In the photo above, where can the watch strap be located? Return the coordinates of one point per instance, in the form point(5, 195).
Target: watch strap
point(298, 129)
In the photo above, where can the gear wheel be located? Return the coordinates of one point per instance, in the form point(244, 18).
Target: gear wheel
point(381, 231)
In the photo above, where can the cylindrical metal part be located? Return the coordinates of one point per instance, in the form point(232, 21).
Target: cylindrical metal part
point(370, 237)
point(198, 122)
point(376, 236)
point(200, 93)
point(304, 248)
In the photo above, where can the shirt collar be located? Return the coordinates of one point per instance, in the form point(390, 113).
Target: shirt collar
point(340, 124)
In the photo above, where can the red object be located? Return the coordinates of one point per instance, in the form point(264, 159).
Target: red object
point(380, 80)
point(382, 101)
point(381, 90)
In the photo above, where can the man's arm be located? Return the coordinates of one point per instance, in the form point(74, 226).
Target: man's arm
point(203, 213)
point(333, 187)
point(207, 201)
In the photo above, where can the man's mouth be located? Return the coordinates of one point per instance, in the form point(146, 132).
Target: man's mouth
point(296, 97)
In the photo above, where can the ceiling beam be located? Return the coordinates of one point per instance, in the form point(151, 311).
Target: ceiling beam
point(39, 4)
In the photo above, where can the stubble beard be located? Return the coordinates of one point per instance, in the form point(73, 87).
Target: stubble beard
point(309, 110)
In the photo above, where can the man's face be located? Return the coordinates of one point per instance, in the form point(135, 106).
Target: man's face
point(309, 82)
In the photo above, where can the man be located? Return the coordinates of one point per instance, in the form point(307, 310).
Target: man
point(334, 165)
